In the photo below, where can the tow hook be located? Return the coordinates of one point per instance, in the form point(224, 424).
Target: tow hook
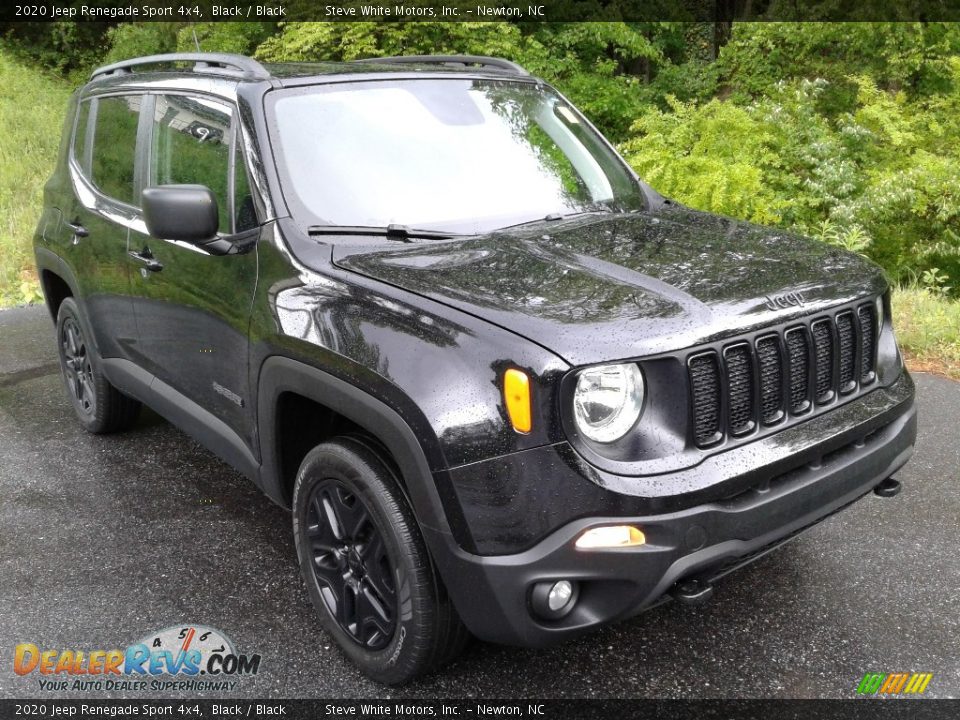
point(692, 592)
point(888, 488)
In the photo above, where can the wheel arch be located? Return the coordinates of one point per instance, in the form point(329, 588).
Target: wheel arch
point(59, 282)
point(56, 280)
point(281, 376)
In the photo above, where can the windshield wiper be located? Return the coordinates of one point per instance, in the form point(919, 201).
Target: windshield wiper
point(392, 232)
point(555, 216)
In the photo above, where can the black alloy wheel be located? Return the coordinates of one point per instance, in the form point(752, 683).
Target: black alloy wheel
point(99, 406)
point(351, 565)
point(366, 566)
point(77, 368)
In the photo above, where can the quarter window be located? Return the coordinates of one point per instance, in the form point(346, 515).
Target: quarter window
point(115, 146)
point(81, 143)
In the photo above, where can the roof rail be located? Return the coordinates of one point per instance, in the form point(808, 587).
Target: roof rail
point(221, 63)
point(464, 60)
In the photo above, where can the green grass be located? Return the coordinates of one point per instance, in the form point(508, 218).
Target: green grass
point(31, 116)
point(928, 328)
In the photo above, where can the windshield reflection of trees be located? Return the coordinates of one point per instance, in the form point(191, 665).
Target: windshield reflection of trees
point(520, 107)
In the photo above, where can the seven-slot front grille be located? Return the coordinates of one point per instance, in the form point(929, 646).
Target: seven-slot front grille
point(781, 374)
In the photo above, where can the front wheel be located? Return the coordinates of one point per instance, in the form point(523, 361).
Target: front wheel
point(366, 567)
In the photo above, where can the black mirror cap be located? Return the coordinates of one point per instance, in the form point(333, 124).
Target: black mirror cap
point(181, 212)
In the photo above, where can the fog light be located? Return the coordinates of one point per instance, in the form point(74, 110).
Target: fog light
point(553, 600)
point(559, 595)
point(611, 536)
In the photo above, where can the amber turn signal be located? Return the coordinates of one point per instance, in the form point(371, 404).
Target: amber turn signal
point(516, 395)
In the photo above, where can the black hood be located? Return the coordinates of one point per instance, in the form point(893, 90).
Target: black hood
point(611, 287)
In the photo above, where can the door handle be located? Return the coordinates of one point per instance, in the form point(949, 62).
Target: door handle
point(78, 230)
point(146, 257)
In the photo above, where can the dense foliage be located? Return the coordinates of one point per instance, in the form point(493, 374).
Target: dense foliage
point(31, 113)
point(848, 132)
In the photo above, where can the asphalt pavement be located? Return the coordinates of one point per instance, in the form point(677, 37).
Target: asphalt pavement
point(105, 539)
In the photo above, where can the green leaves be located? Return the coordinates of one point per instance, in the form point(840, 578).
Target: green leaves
point(878, 177)
point(602, 67)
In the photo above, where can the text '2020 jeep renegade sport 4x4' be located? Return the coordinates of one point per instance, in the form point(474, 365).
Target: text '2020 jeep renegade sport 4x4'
point(505, 387)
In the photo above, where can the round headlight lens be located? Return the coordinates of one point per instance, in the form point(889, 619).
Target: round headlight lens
point(608, 401)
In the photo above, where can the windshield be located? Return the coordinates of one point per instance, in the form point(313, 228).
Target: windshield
point(457, 155)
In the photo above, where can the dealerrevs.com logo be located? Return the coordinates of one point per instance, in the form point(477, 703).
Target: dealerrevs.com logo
point(181, 658)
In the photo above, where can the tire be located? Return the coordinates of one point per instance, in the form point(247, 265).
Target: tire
point(99, 406)
point(366, 567)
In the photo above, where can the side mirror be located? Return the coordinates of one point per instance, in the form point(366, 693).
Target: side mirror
point(181, 212)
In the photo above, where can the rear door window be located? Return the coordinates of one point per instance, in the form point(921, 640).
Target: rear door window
point(113, 155)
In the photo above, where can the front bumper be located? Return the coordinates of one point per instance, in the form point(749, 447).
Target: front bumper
point(704, 541)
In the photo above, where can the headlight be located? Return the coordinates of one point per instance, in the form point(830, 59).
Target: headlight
point(608, 401)
point(880, 315)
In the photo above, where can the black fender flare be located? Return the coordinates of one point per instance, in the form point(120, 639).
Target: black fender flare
point(49, 261)
point(280, 374)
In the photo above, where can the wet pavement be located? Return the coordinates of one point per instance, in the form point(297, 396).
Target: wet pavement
point(106, 539)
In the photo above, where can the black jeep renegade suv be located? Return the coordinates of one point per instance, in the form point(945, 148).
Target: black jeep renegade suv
point(506, 388)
